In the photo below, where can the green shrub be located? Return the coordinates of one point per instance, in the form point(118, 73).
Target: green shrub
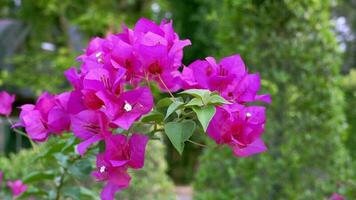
point(291, 43)
point(349, 85)
point(151, 182)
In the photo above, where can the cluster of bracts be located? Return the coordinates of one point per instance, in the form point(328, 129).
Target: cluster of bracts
point(111, 90)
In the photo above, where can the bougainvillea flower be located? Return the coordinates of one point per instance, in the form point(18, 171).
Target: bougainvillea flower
point(58, 119)
point(116, 178)
point(336, 196)
point(123, 56)
point(128, 107)
point(17, 187)
point(48, 115)
point(207, 74)
point(239, 127)
point(103, 79)
point(159, 67)
point(148, 51)
point(246, 90)
point(90, 126)
point(121, 153)
point(75, 79)
point(148, 33)
point(6, 101)
point(94, 55)
point(158, 52)
point(197, 74)
point(75, 102)
point(229, 77)
point(31, 119)
point(107, 94)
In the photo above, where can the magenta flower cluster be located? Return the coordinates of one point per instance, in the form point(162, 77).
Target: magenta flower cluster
point(100, 101)
point(110, 91)
point(236, 125)
point(6, 101)
point(16, 186)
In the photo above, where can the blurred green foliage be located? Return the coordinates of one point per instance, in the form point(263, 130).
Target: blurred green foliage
point(152, 181)
point(345, 9)
point(289, 42)
point(292, 45)
point(41, 169)
point(349, 85)
point(66, 24)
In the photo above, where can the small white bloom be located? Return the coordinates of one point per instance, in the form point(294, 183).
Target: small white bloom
point(97, 55)
point(48, 46)
point(100, 60)
point(57, 180)
point(76, 149)
point(127, 107)
point(102, 169)
point(248, 114)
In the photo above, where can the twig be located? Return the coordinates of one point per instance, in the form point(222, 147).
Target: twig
point(170, 93)
point(196, 143)
point(64, 172)
point(59, 187)
point(21, 132)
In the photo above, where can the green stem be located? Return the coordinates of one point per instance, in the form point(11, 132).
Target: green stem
point(170, 93)
point(60, 185)
point(33, 144)
point(148, 83)
point(196, 143)
point(63, 173)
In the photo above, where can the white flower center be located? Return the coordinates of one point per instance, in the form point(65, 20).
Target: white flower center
point(97, 55)
point(248, 114)
point(102, 169)
point(127, 107)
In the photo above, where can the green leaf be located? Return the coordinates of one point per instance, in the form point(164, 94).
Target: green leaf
point(69, 145)
point(179, 132)
point(89, 193)
point(141, 127)
point(53, 149)
point(199, 93)
point(81, 169)
point(39, 176)
point(34, 192)
point(72, 192)
point(217, 100)
point(205, 114)
point(173, 107)
point(61, 159)
point(75, 192)
point(194, 102)
point(153, 116)
point(165, 102)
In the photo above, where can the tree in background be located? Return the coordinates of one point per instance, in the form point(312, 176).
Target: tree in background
point(292, 43)
point(345, 18)
point(289, 41)
point(39, 175)
point(349, 85)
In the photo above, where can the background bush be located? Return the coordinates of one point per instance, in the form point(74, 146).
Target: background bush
point(151, 182)
point(292, 45)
